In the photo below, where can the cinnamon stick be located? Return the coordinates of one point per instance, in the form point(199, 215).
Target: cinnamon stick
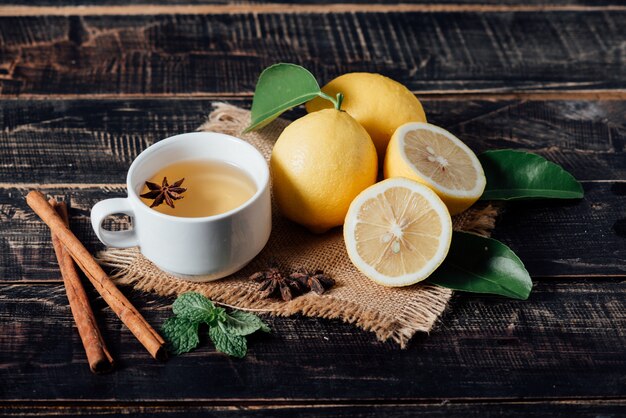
point(99, 358)
point(122, 307)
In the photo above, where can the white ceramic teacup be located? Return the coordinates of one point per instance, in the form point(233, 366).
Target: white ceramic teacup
point(199, 249)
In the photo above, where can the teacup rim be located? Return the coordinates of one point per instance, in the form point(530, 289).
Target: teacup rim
point(132, 194)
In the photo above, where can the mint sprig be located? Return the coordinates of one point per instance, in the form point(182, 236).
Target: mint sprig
point(227, 331)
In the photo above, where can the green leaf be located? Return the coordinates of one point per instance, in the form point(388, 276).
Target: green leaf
point(181, 334)
point(195, 307)
point(482, 265)
point(233, 345)
point(516, 175)
point(280, 87)
point(243, 323)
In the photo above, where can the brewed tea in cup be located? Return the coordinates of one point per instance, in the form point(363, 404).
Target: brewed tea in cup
point(210, 187)
point(207, 226)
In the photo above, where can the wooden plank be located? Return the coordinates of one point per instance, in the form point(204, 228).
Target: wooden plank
point(566, 341)
point(291, 8)
point(452, 4)
point(94, 141)
point(554, 239)
point(429, 52)
point(608, 409)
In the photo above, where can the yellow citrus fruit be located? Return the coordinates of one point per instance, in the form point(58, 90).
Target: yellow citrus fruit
point(397, 232)
point(436, 158)
point(319, 164)
point(378, 103)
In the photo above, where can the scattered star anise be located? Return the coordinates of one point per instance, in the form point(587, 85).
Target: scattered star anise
point(275, 283)
point(165, 192)
point(316, 281)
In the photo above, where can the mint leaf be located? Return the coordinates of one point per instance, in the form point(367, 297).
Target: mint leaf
point(181, 334)
point(233, 345)
point(197, 308)
point(243, 323)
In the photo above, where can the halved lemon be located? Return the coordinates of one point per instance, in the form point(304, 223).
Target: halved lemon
point(397, 232)
point(436, 158)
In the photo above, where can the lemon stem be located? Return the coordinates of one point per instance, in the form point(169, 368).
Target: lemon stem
point(336, 102)
point(339, 101)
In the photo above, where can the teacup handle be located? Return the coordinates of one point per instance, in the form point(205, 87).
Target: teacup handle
point(117, 239)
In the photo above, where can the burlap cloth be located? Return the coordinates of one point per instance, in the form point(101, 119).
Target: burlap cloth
point(391, 313)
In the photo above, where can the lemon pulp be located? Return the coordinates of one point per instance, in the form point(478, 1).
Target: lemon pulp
point(397, 232)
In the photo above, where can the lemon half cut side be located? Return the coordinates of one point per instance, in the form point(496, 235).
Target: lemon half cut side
point(397, 232)
point(434, 157)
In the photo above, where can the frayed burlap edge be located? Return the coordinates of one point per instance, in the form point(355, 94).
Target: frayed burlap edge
point(416, 317)
point(419, 315)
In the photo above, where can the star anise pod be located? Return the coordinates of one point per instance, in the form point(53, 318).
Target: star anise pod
point(165, 192)
point(316, 281)
point(275, 283)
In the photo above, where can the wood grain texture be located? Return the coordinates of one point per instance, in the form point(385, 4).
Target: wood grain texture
point(91, 143)
point(539, 409)
point(561, 353)
point(578, 238)
point(566, 341)
point(94, 141)
point(433, 52)
point(555, 239)
point(290, 8)
point(356, 3)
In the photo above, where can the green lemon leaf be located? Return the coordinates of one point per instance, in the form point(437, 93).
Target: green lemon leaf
point(516, 175)
point(197, 308)
point(482, 265)
point(280, 87)
point(243, 323)
point(233, 345)
point(181, 334)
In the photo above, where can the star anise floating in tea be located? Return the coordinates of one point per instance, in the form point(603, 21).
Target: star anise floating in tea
point(316, 281)
point(276, 284)
point(165, 192)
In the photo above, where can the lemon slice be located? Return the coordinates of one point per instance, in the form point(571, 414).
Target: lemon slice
point(436, 158)
point(397, 232)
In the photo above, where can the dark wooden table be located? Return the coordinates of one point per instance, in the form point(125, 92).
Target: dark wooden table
point(85, 85)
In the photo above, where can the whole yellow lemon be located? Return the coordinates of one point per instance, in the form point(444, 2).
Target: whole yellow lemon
point(319, 164)
point(378, 103)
